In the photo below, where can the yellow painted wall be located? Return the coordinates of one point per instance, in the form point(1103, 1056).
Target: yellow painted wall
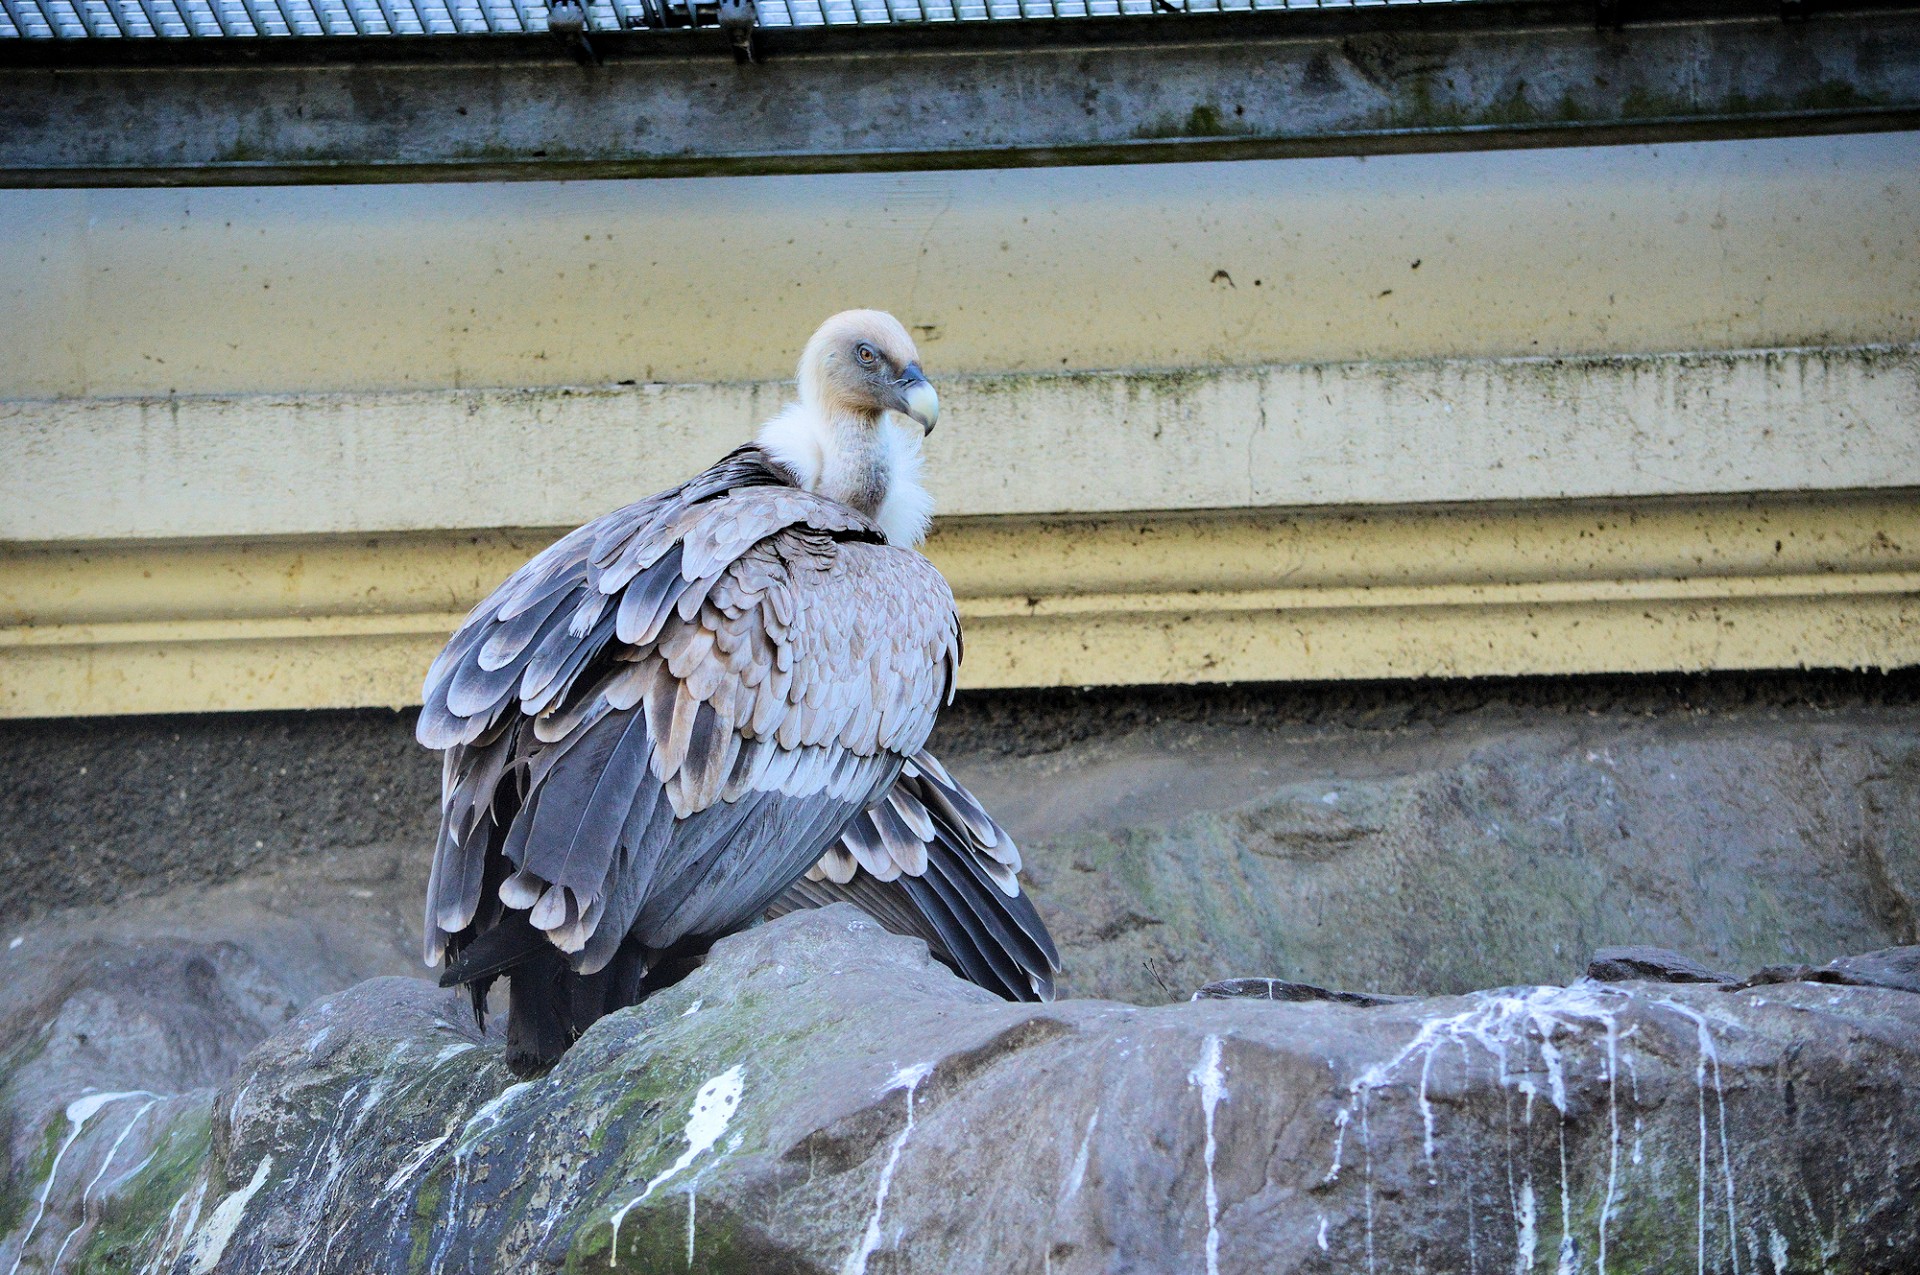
point(1749, 582)
point(1344, 434)
point(1699, 246)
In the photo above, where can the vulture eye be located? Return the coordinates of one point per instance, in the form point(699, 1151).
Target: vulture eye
point(865, 352)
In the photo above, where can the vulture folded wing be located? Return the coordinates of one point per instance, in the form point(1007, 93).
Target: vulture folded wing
point(927, 860)
point(658, 724)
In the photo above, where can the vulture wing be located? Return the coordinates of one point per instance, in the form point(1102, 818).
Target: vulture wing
point(928, 860)
point(661, 721)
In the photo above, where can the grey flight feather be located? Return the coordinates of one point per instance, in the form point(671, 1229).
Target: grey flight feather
point(928, 860)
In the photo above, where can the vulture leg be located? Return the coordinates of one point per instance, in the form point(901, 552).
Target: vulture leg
point(549, 1006)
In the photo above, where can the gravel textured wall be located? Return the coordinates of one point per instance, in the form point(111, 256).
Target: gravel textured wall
point(1406, 837)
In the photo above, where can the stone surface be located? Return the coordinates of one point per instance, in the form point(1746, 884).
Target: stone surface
point(1897, 968)
point(102, 809)
point(1402, 838)
point(1409, 856)
point(1275, 989)
point(822, 1097)
point(1649, 964)
point(115, 1025)
point(1466, 835)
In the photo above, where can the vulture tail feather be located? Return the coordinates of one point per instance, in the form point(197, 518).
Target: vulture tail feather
point(954, 936)
point(540, 1005)
point(585, 804)
point(990, 938)
point(1013, 920)
point(795, 829)
point(549, 1006)
point(648, 828)
point(496, 951)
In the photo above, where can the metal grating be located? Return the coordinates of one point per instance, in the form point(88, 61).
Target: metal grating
point(248, 19)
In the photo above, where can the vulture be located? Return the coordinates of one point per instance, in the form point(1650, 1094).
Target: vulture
point(710, 707)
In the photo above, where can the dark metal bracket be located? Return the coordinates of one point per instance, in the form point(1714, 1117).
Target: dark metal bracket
point(567, 23)
point(737, 19)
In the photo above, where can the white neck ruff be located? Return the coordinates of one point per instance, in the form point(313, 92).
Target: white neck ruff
point(875, 469)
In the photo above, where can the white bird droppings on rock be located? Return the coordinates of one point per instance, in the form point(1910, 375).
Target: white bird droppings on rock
point(1709, 1055)
point(1077, 1176)
point(1527, 1239)
point(907, 1078)
point(1213, 1087)
point(210, 1244)
point(421, 1154)
point(485, 1116)
point(86, 1193)
point(1504, 1024)
point(78, 1112)
point(713, 1108)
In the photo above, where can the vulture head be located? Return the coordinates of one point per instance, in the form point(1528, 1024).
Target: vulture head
point(861, 363)
point(855, 434)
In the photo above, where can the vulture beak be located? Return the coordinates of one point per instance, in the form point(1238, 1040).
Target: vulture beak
point(916, 398)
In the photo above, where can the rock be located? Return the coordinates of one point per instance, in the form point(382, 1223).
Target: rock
point(1651, 964)
point(115, 1027)
point(823, 1097)
point(1896, 967)
point(1466, 855)
point(1428, 836)
point(1274, 989)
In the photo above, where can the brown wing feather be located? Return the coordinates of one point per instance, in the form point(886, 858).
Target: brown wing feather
point(731, 641)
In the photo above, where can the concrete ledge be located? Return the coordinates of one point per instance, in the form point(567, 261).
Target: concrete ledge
point(1710, 583)
point(1351, 81)
point(1288, 436)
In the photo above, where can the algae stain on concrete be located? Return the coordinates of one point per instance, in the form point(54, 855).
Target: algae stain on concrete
point(1422, 106)
point(1204, 120)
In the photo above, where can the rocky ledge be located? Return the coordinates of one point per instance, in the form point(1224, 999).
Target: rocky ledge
point(822, 1097)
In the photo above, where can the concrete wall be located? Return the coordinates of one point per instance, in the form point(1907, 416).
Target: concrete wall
point(1422, 591)
point(1401, 836)
point(1640, 249)
point(255, 462)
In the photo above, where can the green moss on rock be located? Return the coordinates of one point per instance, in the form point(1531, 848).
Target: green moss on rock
point(134, 1218)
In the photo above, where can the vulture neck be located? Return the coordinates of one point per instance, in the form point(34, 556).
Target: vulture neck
point(869, 463)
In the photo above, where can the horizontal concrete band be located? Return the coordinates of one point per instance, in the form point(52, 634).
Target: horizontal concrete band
point(1779, 243)
point(1354, 80)
point(1707, 583)
point(1329, 435)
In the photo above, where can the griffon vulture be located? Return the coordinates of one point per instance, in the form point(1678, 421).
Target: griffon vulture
point(711, 706)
